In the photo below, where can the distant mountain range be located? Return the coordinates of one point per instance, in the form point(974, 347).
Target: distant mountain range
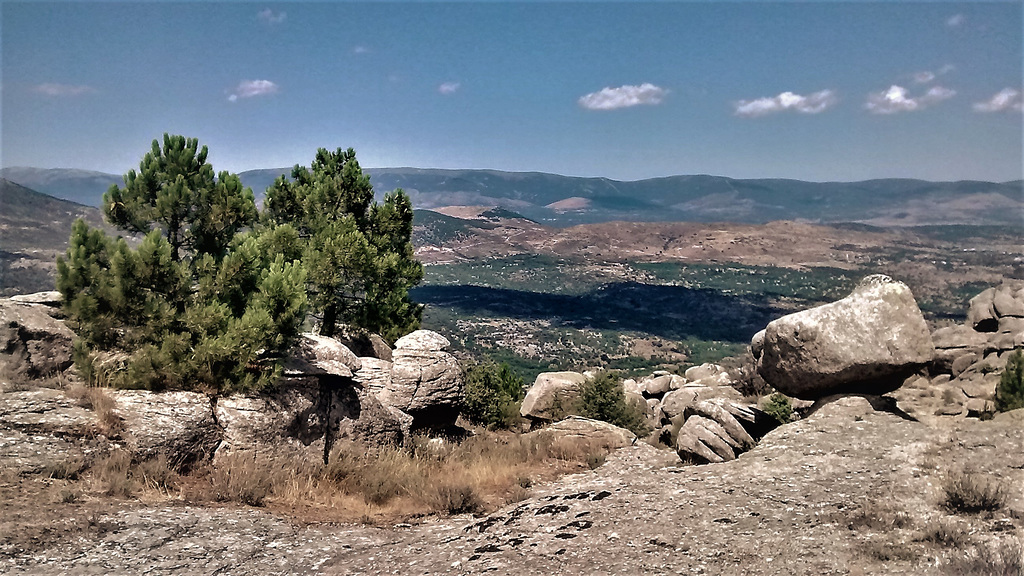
point(563, 200)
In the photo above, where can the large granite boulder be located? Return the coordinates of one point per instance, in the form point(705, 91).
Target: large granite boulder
point(986, 309)
point(355, 413)
point(286, 418)
point(426, 381)
point(33, 344)
point(363, 343)
point(375, 374)
point(868, 342)
point(552, 395)
point(179, 425)
point(714, 432)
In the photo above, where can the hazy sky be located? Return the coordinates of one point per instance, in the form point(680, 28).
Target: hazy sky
point(809, 90)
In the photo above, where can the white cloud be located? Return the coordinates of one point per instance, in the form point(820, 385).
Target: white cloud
point(250, 88)
point(1006, 100)
point(270, 17)
point(924, 77)
point(53, 89)
point(360, 50)
point(623, 97)
point(449, 88)
point(956, 20)
point(811, 104)
point(898, 99)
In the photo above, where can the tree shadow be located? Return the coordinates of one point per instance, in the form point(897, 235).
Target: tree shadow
point(674, 312)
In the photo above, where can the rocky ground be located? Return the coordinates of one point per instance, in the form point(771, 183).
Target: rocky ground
point(848, 490)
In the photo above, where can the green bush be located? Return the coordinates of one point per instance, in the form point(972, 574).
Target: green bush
point(1010, 391)
point(779, 407)
point(602, 398)
point(494, 394)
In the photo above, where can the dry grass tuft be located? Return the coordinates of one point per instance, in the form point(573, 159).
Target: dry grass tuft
point(880, 515)
point(69, 469)
point(96, 399)
point(1004, 558)
point(970, 493)
point(113, 473)
point(478, 474)
point(945, 534)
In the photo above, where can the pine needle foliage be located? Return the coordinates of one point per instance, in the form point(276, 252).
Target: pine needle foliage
point(603, 398)
point(202, 303)
point(358, 253)
point(494, 395)
point(1010, 390)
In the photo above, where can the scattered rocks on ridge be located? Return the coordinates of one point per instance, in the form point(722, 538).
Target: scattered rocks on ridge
point(868, 342)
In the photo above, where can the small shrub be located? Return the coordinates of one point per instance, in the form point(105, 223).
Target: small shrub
point(972, 493)
point(602, 398)
point(1010, 391)
point(494, 394)
point(68, 496)
point(779, 407)
point(455, 498)
point(595, 460)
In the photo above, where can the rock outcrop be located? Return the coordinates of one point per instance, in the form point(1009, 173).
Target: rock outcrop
point(712, 433)
point(868, 342)
point(969, 358)
point(426, 381)
point(33, 344)
point(988, 308)
point(44, 430)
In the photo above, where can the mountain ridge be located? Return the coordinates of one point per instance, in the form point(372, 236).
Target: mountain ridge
point(569, 200)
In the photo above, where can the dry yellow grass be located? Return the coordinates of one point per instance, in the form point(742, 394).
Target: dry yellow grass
point(479, 474)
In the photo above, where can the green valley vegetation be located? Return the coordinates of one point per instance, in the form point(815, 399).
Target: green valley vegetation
point(213, 296)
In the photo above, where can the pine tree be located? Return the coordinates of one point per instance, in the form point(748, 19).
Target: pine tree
point(603, 398)
point(201, 303)
point(358, 254)
point(1010, 390)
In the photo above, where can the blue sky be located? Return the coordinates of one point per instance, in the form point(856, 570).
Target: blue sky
point(809, 90)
